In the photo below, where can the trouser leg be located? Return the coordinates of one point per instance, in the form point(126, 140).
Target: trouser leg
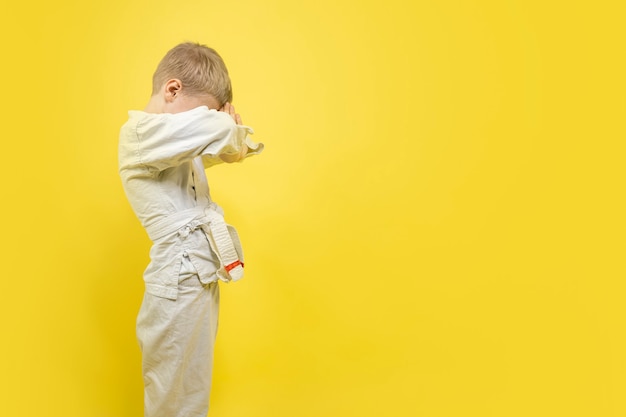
point(177, 338)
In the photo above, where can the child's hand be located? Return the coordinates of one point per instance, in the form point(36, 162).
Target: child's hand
point(230, 109)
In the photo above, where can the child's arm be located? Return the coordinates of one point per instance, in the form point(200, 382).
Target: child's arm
point(166, 140)
point(235, 156)
point(235, 151)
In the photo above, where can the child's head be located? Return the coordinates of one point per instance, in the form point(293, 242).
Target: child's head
point(200, 70)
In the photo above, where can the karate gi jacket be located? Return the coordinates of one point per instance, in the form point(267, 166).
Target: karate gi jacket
point(162, 158)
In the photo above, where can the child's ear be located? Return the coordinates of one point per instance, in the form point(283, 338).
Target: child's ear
point(172, 89)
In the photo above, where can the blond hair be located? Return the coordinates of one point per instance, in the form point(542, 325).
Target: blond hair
point(199, 68)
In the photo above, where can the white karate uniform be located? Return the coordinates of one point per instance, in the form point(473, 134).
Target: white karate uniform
point(162, 158)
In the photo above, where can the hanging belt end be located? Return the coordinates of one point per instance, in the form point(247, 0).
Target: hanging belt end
point(234, 270)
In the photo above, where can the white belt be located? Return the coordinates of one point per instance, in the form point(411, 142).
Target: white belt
point(222, 237)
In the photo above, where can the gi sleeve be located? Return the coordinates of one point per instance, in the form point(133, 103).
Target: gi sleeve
point(210, 157)
point(167, 140)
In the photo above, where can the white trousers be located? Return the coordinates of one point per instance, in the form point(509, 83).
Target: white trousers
point(176, 339)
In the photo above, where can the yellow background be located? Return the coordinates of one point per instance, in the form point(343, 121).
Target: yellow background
point(436, 226)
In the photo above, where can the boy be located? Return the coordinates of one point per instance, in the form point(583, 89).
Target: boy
point(187, 126)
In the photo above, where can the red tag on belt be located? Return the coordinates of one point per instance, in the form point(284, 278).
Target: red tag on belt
point(233, 265)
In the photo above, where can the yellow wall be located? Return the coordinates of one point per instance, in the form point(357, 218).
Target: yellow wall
point(436, 227)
